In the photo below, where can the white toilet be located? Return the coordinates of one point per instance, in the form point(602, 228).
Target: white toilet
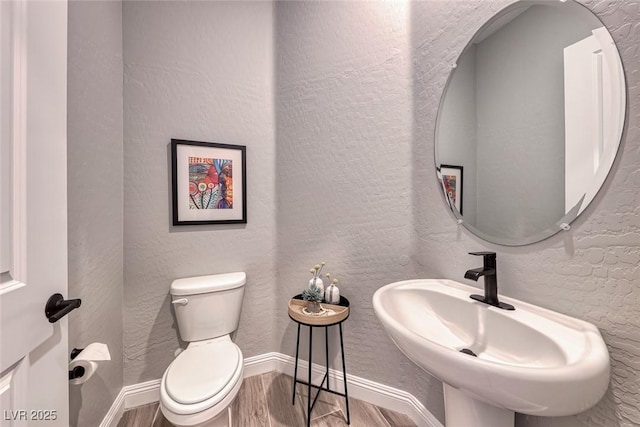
point(198, 387)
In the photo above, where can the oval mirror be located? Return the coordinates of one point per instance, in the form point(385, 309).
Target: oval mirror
point(530, 121)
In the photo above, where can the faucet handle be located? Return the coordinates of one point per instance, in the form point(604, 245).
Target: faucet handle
point(484, 254)
point(489, 258)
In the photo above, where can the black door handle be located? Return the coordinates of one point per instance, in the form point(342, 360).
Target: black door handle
point(57, 307)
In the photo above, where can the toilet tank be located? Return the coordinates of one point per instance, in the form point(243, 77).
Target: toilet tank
point(208, 306)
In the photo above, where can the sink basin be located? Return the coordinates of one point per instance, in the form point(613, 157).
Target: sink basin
point(530, 360)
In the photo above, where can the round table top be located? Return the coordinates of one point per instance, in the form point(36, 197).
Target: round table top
point(339, 315)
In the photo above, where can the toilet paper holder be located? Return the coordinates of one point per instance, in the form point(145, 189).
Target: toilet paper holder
point(85, 361)
point(78, 371)
point(75, 352)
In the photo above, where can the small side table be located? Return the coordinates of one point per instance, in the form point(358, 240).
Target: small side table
point(341, 313)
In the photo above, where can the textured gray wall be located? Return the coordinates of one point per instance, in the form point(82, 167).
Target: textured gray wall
point(351, 180)
point(344, 182)
point(591, 272)
point(95, 198)
point(200, 71)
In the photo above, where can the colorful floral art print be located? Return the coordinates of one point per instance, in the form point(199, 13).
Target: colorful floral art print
point(452, 185)
point(210, 183)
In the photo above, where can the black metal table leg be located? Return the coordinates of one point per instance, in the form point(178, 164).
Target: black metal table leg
point(326, 352)
point(295, 369)
point(320, 387)
point(344, 375)
point(309, 383)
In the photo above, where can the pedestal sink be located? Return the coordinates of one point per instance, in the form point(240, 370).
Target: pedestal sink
point(494, 362)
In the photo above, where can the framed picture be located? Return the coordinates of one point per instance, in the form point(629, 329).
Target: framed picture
point(209, 183)
point(452, 177)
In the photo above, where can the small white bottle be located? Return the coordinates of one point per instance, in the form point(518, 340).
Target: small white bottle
point(332, 293)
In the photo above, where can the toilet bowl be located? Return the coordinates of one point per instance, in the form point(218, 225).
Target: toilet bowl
point(199, 386)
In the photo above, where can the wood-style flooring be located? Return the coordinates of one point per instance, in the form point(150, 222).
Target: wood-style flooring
point(265, 401)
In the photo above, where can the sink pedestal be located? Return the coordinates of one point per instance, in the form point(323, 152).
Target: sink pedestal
point(463, 411)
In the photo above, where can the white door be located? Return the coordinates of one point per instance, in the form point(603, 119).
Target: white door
point(594, 97)
point(33, 215)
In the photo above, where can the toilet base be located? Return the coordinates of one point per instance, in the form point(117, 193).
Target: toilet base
point(223, 419)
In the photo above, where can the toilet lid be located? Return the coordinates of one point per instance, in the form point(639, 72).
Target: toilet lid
point(201, 372)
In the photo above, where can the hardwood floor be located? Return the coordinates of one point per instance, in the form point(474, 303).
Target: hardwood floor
point(265, 401)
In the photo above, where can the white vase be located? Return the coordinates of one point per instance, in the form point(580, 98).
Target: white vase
point(332, 294)
point(318, 282)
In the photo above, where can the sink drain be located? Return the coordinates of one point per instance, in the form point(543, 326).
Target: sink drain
point(469, 352)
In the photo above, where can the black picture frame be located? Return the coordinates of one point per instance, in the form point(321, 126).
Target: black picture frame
point(205, 182)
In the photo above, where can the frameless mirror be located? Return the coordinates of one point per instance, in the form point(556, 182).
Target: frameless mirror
point(530, 121)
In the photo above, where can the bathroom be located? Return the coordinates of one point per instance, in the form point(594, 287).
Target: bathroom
point(336, 103)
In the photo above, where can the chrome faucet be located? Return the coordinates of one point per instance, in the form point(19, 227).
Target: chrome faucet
point(490, 273)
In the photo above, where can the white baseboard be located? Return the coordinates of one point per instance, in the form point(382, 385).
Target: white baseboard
point(115, 412)
point(261, 364)
point(359, 388)
point(129, 397)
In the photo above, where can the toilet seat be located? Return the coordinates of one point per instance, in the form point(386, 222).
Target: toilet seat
point(202, 377)
point(200, 373)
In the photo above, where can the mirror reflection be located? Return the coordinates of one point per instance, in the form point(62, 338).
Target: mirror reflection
point(530, 121)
